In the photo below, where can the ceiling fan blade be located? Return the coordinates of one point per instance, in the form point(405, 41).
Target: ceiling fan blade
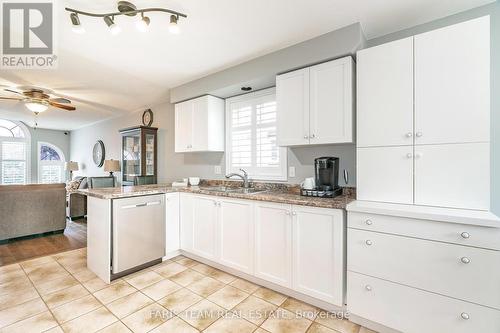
point(62, 106)
point(13, 91)
point(13, 98)
point(60, 100)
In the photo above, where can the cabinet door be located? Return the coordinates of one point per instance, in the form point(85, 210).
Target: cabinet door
point(318, 253)
point(205, 227)
point(186, 221)
point(385, 94)
point(331, 102)
point(456, 175)
point(273, 243)
point(292, 97)
point(385, 174)
point(183, 126)
point(172, 222)
point(200, 124)
point(452, 84)
point(236, 234)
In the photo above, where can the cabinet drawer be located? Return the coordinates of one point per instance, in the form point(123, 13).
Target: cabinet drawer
point(448, 269)
point(462, 234)
point(411, 310)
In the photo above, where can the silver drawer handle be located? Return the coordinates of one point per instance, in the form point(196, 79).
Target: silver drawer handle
point(465, 235)
point(465, 260)
point(368, 242)
point(465, 316)
point(368, 287)
point(369, 222)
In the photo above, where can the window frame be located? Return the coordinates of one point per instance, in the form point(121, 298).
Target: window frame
point(41, 163)
point(27, 141)
point(283, 151)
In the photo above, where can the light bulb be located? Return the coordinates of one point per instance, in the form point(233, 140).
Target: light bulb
point(173, 27)
point(143, 24)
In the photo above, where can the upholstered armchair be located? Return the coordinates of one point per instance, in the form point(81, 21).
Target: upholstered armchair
point(76, 205)
point(100, 182)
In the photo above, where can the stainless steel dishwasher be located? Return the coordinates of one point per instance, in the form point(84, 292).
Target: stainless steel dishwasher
point(138, 231)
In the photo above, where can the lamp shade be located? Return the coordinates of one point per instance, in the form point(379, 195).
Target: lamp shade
point(71, 166)
point(111, 165)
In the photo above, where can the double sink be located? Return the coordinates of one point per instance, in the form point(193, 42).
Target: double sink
point(226, 189)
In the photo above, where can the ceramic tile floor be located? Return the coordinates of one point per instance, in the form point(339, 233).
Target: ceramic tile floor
point(59, 294)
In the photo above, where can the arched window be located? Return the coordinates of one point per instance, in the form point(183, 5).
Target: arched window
point(50, 164)
point(14, 152)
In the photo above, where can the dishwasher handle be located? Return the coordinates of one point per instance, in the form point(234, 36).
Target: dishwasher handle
point(144, 204)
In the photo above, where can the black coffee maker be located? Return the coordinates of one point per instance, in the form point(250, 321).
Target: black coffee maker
point(326, 171)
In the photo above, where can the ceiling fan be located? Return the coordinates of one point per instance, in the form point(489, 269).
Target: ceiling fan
point(38, 100)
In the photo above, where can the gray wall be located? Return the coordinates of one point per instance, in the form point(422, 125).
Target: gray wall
point(57, 138)
point(175, 166)
point(494, 11)
point(260, 72)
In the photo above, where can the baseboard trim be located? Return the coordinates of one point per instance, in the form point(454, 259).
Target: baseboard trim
point(42, 234)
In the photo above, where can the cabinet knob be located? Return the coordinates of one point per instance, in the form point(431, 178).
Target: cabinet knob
point(465, 316)
point(418, 134)
point(368, 287)
point(418, 155)
point(369, 222)
point(215, 203)
point(287, 212)
point(369, 242)
point(465, 235)
point(409, 155)
point(409, 134)
point(294, 213)
point(313, 136)
point(306, 136)
point(465, 260)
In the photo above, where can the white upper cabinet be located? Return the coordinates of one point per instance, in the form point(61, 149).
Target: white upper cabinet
point(292, 98)
point(315, 104)
point(331, 102)
point(199, 125)
point(452, 84)
point(385, 94)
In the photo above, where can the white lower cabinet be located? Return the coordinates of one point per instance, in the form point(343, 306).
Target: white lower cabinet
point(235, 234)
point(297, 247)
point(318, 253)
point(172, 239)
point(273, 243)
point(412, 310)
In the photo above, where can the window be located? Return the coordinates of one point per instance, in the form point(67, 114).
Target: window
point(14, 153)
point(50, 164)
point(251, 136)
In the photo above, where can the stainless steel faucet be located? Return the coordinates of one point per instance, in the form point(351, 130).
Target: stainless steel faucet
point(246, 183)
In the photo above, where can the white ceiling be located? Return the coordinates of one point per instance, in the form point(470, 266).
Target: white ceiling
point(107, 75)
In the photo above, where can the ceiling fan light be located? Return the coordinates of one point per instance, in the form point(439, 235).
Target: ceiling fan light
point(143, 24)
point(173, 26)
point(36, 107)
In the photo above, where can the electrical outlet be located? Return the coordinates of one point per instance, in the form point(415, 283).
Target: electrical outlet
point(291, 172)
point(218, 170)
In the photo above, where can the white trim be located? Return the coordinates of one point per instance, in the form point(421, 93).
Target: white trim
point(283, 151)
point(39, 162)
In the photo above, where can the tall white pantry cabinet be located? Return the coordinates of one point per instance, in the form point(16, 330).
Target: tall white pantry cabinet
point(423, 119)
point(423, 248)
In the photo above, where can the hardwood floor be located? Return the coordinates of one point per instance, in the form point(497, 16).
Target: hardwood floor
point(74, 237)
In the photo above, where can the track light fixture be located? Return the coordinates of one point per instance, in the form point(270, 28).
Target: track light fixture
point(128, 9)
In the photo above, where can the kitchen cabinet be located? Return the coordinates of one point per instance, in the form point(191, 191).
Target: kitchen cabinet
point(172, 223)
point(236, 234)
point(273, 243)
point(186, 210)
point(455, 175)
point(318, 253)
point(385, 94)
point(199, 125)
point(205, 227)
point(452, 84)
point(385, 174)
point(315, 104)
point(429, 93)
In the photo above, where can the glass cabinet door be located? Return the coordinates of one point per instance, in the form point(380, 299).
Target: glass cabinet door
point(131, 155)
point(150, 154)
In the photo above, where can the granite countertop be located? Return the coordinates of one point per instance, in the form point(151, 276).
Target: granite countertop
point(271, 195)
